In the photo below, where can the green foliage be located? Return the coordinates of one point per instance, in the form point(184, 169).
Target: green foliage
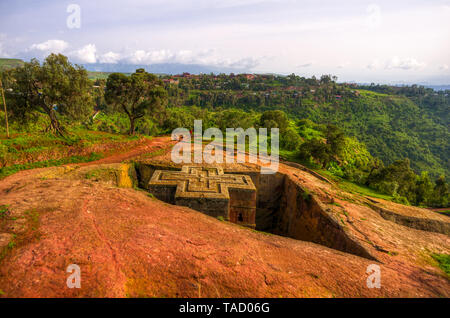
point(397, 178)
point(443, 262)
point(274, 119)
point(317, 150)
point(138, 95)
point(27, 150)
point(306, 195)
point(393, 122)
point(400, 181)
point(341, 155)
point(290, 139)
point(55, 87)
point(441, 195)
point(3, 211)
point(318, 119)
point(234, 118)
point(6, 171)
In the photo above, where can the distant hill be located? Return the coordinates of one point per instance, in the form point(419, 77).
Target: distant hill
point(6, 64)
point(93, 75)
point(439, 87)
point(161, 68)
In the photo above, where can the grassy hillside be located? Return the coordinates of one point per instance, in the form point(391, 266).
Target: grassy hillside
point(9, 63)
point(100, 75)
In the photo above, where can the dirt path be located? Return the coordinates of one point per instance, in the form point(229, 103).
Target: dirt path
point(151, 145)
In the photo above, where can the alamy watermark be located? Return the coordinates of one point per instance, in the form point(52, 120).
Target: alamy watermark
point(74, 19)
point(236, 143)
point(374, 278)
point(74, 279)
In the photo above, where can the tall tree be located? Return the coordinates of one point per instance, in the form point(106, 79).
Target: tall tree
point(4, 107)
point(55, 87)
point(137, 95)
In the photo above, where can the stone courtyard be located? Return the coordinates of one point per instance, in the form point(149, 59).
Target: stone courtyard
point(208, 190)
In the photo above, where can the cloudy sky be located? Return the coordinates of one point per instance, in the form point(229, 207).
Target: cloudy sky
point(380, 41)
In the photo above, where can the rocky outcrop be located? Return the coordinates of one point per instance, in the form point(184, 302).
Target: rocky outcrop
point(302, 216)
point(430, 225)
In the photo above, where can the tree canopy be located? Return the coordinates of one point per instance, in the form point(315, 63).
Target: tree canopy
point(56, 85)
point(138, 95)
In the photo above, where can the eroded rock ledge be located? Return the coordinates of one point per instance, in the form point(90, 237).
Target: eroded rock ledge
point(430, 225)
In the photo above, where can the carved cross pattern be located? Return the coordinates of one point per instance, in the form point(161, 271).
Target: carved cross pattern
point(194, 181)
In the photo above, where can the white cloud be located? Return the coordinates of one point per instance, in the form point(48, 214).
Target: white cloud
point(404, 63)
point(245, 63)
point(305, 65)
point(50, 46)
point(2, 52)
point(343, 65)
point(3, 40)
point(443, 67)
point(109, 57)
point(87, 54)
point(149, 57)
point(202, 57)
point(375, 64)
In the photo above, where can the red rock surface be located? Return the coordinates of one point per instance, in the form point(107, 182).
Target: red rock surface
point(130, 245)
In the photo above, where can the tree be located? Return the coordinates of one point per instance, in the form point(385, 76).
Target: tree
point(424, 189)
point(290, 139)
point(137, 95)
point(55, 87)
point(234, 118)
point(441, 195)
point(335, 138)
point(4, 107)
point(317, 149)
point(274, 119)
point(398, 173)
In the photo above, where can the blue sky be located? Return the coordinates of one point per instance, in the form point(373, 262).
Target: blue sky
point(365, 41)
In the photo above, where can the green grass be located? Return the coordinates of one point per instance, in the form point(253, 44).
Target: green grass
point(360, 189)
point(443, 261)
point(6, 171)
point(3, 211)
point(367, 93)
point(37, 150)
point(100, 75)
point(259, 232)
point(306, 195)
